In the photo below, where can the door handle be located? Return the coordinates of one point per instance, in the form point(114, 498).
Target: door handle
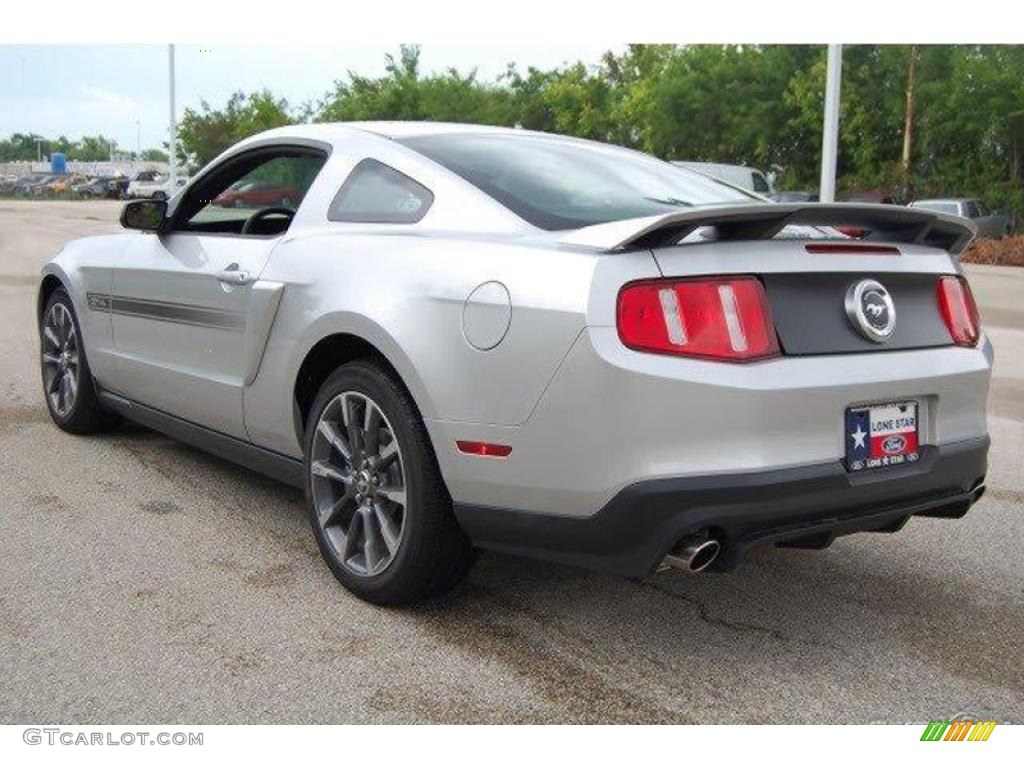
point(234, 276)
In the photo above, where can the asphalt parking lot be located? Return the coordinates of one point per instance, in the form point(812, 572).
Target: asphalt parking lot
point(144, 581)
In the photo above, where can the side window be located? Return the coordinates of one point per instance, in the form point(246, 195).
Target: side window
point(972, 209)
point(375, 193)
point(760, 183)
point(265, 179)
point(982, 208)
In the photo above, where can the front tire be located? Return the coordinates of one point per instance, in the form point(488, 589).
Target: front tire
point(379, 508)
point(68, 386)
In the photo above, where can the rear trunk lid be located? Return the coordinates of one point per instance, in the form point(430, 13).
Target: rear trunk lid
point(807, 269)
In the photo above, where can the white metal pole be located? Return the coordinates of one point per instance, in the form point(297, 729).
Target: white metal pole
point(172, 160)
point(830, 133)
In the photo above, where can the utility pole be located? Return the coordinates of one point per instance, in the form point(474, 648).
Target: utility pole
point(172, 159)
point(830, 133)
point(908, 118)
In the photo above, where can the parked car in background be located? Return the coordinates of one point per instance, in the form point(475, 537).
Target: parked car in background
point(166, 190)
point(20, 185)
point(91, 188)
point(7, 184)
point(257, 194)
point(117, 188)
point(159, 188)
point(737, 175)
point(141, 183)
point(878, 195)
point(794, 196)
point(61, 185)
point(37, 188)
point(989, 223)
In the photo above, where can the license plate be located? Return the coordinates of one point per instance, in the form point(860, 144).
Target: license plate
point(881, 435)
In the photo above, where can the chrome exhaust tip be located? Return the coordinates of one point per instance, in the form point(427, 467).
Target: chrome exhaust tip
point(693, 553)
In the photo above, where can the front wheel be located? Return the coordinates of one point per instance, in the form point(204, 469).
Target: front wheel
point(67, 381)
point(379, 509)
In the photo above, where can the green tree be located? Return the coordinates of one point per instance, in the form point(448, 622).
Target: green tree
point(206, 132)
point(21, 147)
point(747, 104)
point(403, 94)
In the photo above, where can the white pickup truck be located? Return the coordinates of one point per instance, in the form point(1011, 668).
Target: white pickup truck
point(149, 184)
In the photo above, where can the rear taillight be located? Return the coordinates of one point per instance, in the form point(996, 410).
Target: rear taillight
point(722, 318)
point(956, 302)
point(848, 247)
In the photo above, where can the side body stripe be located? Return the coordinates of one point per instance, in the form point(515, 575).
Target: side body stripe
point(167, 311)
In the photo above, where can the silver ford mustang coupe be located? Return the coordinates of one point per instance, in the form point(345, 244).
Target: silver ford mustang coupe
point(457, 337)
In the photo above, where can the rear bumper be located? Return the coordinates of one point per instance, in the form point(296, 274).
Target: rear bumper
point(612, 417)
point(804, 506)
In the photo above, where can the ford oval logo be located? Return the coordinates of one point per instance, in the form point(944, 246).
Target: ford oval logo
point(894, 444)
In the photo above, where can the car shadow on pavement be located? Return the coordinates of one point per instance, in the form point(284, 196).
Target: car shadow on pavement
point(871, 604)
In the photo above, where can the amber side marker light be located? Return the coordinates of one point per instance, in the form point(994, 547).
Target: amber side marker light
point(475, 448)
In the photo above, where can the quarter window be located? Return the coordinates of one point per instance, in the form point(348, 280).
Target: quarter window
point(375, 193)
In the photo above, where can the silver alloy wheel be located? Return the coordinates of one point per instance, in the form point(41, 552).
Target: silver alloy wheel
point(60, 359)
point(358, 483)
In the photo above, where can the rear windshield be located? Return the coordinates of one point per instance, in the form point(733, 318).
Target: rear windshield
point(556, 184)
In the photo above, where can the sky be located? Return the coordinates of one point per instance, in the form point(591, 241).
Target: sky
point(121, 91)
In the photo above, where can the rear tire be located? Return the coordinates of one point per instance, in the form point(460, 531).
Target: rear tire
point(68, 387)
point(378, 506)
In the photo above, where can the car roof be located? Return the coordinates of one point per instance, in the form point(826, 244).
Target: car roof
point(398, 129)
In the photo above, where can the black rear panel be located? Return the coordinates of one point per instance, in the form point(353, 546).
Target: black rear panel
point(810, 312)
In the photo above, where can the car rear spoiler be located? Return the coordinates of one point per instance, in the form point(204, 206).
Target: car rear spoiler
point(762, 221)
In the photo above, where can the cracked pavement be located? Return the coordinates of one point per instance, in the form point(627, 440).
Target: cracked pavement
point(145, 581)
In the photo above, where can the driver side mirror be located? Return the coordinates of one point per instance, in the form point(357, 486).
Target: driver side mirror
point(145, 215)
